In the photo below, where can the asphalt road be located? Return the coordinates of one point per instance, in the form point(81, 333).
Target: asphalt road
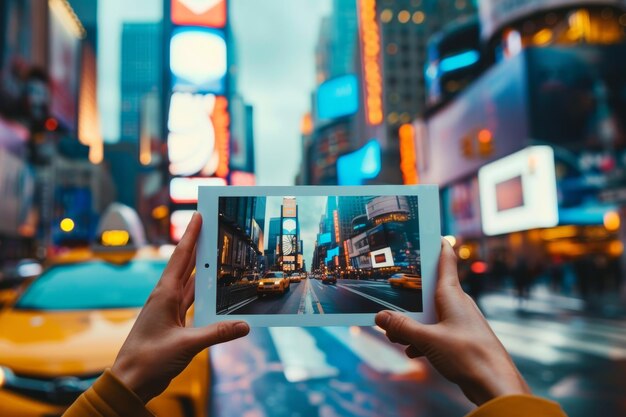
point(311, 296)
point(564, 355)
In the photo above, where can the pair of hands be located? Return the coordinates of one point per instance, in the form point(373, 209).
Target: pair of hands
point(462, 346)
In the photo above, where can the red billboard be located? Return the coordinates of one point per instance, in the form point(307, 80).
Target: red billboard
point(209, 13)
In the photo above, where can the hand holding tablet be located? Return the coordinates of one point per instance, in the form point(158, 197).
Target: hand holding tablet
point(316, 256)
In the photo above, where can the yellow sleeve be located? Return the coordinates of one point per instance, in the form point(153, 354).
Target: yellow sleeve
point(518, 406)
point(108, 397)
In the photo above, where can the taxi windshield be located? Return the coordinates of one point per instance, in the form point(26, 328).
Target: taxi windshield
point(93, 285)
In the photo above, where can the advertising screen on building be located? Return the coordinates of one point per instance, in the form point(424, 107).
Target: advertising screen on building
point(210, 13)
point(64, 55)
point(199, 138)
point(518, 192)
point(198, 60)
point(338, 97)
point(510, 194)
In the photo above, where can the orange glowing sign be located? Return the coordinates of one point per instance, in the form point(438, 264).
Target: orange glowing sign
point(306, 126)
point(210, 13)
point(370, 51)
point(408, 157)
point(221, 123)
point(336, 222)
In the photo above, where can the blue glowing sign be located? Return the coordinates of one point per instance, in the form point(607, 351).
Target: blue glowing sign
point(356, 167)
point(198, 60)
point(289, 227)
point(331, 254)
point(338, 97)
point(324, 238)
point(458, 61)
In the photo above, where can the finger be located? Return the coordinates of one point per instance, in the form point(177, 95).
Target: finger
point(448, 272)
point(413, 352)
point(190, 268)
point(188, 297)
point(180, 259)
point(397, 340)
point(203, 337)
point(401, 327)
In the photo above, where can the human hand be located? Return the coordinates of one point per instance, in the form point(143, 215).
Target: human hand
point(159, 346)
point(462, 346)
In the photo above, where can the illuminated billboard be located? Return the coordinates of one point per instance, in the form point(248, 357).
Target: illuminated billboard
point(289, 245)
point(185, 190)
point(519, 192)
point(382, 258)
point(198, 60)
point(289, 227)
point(338, 97)
point(290, 208)
point(198, 142)
point(65, 33)
point(356, 167)
point(369, 34)
point(210, 13)
point(324, 238)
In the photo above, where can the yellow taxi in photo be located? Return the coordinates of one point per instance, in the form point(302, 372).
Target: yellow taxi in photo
point(273, 282)
point(295, 277)
point(406, 281)
point(67, 326)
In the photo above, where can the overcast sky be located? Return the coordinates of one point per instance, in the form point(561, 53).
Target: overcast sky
point(275, 46)
point(310, 210)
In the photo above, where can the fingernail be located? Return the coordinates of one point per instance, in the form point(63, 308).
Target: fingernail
point(241, 329)
point(382, 319)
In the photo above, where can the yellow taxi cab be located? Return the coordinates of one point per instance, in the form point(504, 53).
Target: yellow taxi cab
point(67, 326)
point(406, 281)
point(295, 277)
point(273, 282)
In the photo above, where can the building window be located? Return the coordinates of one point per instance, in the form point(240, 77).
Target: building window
point(392, 48)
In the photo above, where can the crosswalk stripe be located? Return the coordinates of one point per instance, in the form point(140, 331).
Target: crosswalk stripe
point(301, 358)
point(559, 340)
point(375, 353)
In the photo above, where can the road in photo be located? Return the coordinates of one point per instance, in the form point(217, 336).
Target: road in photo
point(318, 255)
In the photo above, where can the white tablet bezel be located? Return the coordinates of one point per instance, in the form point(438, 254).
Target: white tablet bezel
point(205, 300)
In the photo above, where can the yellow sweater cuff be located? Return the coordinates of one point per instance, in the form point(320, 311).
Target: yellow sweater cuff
point(518, 406)
point(112, 395)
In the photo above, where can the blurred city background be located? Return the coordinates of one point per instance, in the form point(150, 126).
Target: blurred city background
point(113, 112)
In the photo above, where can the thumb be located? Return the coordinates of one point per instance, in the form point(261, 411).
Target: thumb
point(400, 327)
point(203, 337)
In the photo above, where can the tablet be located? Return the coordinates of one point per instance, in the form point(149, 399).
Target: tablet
point(316, 256)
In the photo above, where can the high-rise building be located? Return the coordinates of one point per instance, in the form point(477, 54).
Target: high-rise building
point(272, 241)
point(405, 27)
point(142, 68)
point(350, 207)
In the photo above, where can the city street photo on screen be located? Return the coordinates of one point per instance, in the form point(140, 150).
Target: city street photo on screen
point(317, 255)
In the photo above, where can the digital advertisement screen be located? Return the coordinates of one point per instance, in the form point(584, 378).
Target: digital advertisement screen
point(312, 274)
point(510, 194)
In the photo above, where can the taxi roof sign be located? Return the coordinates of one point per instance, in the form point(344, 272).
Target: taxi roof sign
point(120, 228)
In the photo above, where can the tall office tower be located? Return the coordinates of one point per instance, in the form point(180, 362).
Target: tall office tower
point(349, 208)
point(272, 240)
point(142, 69)
point(336, 44)
point(405, 27)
